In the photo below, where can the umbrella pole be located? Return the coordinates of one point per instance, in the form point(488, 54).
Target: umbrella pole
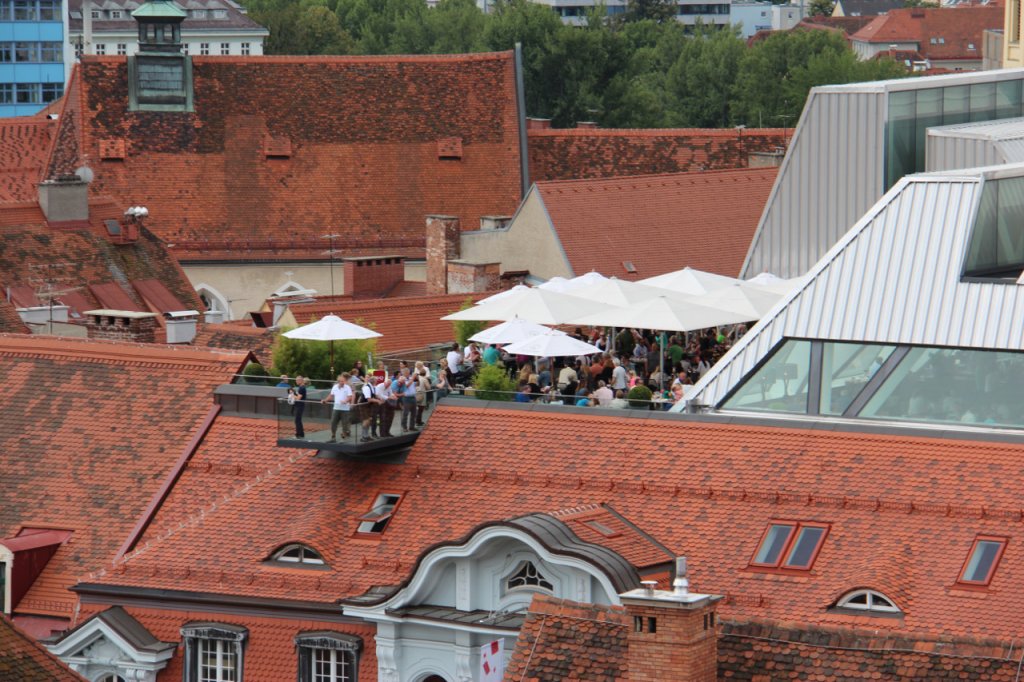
point(332, 358)
point(661, 362)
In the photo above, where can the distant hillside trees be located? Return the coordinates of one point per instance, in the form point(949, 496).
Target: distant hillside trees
point(640, 69)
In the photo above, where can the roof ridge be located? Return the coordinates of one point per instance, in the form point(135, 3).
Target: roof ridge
point(655, 132)
point(677, 178)
point(502, 55)
point(110, 350)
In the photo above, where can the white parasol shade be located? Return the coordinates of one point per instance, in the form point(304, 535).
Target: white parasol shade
point(689, 281)
point(331, 328)
point(754, 302)
point(503, 294)
point(535, 305)
point(552, 343)
point(663, 313)
point(620, 292)
point(559, 284)
point(769, 282)
point(512, 331)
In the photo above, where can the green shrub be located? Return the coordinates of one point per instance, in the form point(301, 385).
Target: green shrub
point(255, 373)
point(639, 396)
point(492, 383)
point(463, 329)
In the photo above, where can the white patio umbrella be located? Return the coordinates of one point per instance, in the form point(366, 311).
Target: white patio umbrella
point(769, 282)
point(559, 284)
point(503, 294)
point(535, 305)
point(752, 301)
point(512, 331)
point(582, 282)
point(663, 313)
point(552, 343)
point(689, 281)
point(621, 292)
point(331, 328)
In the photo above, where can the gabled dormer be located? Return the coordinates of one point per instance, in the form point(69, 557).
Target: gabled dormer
point(159, 76)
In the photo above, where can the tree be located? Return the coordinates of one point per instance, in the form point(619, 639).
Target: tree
point(654, 10)
point(463, 329)
point(702, 80)
point(822, 8)
point(312, 358)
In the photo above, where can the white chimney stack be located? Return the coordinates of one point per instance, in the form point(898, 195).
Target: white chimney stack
point(681, 585)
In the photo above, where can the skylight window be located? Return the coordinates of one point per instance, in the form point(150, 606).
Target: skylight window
point(982, 560)
point(996, 248)
point(298, 554)
point(868, 600)
point(378, 518)
point(790, 545)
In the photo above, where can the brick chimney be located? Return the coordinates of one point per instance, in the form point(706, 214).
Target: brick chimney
point(473, 278)
point(373, 275)
point(673, 634)
point(122, 325)
point(538, 123)
point(443, 234)
point(64, 198)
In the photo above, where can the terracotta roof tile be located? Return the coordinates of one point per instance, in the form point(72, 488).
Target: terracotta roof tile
point(259, 341)
point(567, 154)
point(566, 640)
point(24, 146)
point(903, 510)
point(24, 660)
point(86, 440)
point(673, 218)
point(363, 150)
point(406, 323)
point(10, 320)
point(955, 29)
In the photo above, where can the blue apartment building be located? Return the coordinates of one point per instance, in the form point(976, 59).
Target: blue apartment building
point(33, 55)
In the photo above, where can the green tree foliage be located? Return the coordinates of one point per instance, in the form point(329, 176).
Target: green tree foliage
point(822, 7)
point(255, 373)
point(312, 358)
point(641, 69)
point(463, 329)
point(493, 383)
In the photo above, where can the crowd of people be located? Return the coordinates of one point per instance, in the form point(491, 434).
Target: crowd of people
point(374, 398)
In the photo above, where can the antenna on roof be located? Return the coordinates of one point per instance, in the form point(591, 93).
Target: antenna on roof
point(84, 173)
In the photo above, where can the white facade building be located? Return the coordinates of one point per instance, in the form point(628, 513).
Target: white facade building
point(751, 17)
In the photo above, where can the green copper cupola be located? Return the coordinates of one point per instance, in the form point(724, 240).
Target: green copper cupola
point(160, 76)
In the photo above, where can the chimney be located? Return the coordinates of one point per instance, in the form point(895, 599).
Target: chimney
point(181, 326)
point(372, 276)
point(443, 234)
point(494, 222)
point(538, 123)
point(673, 634)
point(473, 278)
point(64, 198)
point(122, 325)
point(588, 125)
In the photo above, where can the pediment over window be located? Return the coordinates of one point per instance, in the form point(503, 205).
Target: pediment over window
point(113, 644)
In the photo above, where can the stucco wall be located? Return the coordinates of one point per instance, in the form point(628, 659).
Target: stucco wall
point(247, 286)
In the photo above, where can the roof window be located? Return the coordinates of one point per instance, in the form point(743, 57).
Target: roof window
point(298, 554)
point(378, 518)
point(867, 600)
point(982, 560)
point(996, 248)
point(790, 545)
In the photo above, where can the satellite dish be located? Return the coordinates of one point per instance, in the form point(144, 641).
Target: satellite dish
point(84, 173)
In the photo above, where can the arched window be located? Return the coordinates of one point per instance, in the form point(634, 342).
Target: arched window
point(527, 577)
point(110, 677)
point(298, 554)
point(867, 600)
point(214, 300)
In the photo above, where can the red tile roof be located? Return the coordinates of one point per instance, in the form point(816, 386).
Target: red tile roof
point(364, 150)
point(701, 220)
point(845, 25)
point(566, 640)
point(90, 430)
point(568, 154)
point(406, 323)
point(79, 260)
point(23, 660)
point(157, 297)
point(10, 320)
point(259, 341)
point(903, 510)
point(955, 29)
point(24, 147)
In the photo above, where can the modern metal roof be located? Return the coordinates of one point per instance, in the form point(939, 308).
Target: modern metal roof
point(894, 278)
point(925, 82)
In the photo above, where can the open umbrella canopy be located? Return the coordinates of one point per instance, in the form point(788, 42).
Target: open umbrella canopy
point(689, 281)
point(552, 344)
point(516, 329)
point(502, 294)
point(331, 328)
point(620, 292)
point(663, 313)
point(535, 305)
point(559, 284)
point(752, 301)
point(769, 282)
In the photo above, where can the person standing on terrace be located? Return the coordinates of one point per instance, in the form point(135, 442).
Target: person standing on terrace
point(341, 394)
point(300, 405)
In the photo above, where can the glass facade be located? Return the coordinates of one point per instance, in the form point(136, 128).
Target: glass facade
point(997, 242)
point(32, 46)
point(912, 112)
point(874, 381)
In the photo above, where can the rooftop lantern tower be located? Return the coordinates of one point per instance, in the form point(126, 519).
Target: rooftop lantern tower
point(160, 76)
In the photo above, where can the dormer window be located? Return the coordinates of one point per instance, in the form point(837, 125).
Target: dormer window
point(982, 561)
point(996, 247)
point(298, 554)
point(867, 600)
point(528, 578)
point(790, 545)
point(377, 519)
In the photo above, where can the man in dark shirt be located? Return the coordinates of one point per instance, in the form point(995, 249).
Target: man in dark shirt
point(300, 405)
